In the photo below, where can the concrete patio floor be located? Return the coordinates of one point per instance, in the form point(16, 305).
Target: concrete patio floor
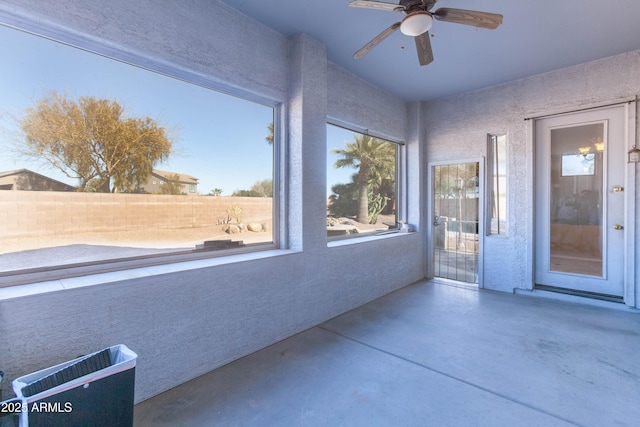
point(429, 355)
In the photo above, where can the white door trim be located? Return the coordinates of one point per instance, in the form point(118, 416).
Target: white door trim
point(631, 295)
point(546, 113)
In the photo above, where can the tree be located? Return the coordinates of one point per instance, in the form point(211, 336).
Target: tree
point(344, 199)
point(92, 139)
point(446, 184)
point(375, 160)
point(216, 192)
point(269, 137)
point(173, 185)
point(262, 188)
point(92, 185)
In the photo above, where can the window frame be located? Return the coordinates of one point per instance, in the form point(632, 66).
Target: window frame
point(400, 173)
point(174, 71)
point(492, 158)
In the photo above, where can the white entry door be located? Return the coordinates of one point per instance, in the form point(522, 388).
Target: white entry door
point(580, 213)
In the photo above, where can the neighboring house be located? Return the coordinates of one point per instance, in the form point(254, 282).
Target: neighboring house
point(26, 180)
point(158, 177)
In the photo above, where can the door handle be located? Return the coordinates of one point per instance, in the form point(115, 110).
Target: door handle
point(618, 227)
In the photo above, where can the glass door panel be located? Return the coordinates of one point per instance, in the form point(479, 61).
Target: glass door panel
point(456, 239)
point(580, 201)
point(576, 214)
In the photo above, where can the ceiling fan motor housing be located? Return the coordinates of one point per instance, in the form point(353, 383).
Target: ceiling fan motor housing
point(416, 23)
point(413, 5)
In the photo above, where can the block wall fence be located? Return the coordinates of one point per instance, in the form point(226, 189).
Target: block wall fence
point(47, 213)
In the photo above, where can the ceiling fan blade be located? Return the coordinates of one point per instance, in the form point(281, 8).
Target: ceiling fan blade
point(372, 4)
point(428, 4)
point(376, 40)
point(423, 45)
point(469, 17)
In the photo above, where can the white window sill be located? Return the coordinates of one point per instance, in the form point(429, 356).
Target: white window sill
point(368, 238)
point(44, 286)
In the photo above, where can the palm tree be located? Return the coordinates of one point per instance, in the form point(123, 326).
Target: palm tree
point(269, 137)
point(375, 160)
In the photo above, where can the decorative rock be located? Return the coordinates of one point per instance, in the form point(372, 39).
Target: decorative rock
point(231, 229)
point(341, 230)
point(254, 226)
point(332, 222)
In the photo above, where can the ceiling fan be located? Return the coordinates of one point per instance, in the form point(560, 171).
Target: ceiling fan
point(418, 21)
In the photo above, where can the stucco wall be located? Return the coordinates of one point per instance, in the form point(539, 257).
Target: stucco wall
point(352, 100)
point(186, 319)
point(457, 128)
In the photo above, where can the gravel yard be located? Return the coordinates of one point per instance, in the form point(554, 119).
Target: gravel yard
point(33, 252)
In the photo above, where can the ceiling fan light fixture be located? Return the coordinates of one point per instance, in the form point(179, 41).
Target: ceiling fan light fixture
point(416, 23)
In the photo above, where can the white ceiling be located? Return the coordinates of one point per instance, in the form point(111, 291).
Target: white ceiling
point(536, 36)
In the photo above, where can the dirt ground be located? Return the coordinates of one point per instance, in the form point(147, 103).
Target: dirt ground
point(31, 252)
point(157, 238)
point(149, 238)
point(35, 252)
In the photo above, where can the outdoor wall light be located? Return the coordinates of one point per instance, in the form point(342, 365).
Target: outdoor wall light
point(584, 151)
point(416, 23)
point(600, 147)
point(587, 150)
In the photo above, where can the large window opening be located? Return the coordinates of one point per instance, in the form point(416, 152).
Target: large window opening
point(102, 160)
point(362, 183)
